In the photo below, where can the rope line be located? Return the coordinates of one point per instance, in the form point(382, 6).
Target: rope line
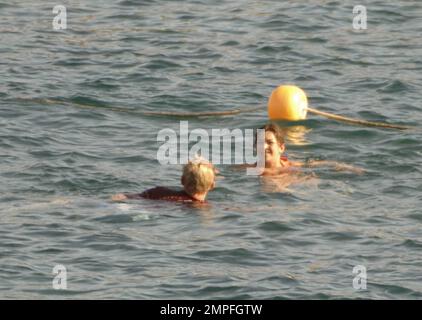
point(233, 112)
point(356, 121)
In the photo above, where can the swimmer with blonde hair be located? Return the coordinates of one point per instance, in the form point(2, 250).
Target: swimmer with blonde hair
point(198, 179)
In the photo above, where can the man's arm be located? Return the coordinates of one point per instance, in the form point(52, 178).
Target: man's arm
point(338, 166)
point(119, 197)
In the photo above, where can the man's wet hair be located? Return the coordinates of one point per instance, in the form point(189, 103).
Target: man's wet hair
point(276, 130)
point(198, 176)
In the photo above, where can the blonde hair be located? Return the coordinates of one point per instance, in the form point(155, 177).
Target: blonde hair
point(198, 176)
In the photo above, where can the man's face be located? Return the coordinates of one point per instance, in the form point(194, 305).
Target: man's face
point(273, 150)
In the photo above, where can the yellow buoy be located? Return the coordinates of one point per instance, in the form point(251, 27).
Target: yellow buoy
point(289, 103)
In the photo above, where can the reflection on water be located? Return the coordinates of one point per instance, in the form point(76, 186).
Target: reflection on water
point(284, 183)
point(296, 135)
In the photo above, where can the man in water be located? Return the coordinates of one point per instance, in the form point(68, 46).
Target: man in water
point(276, 163)
point(198, 179)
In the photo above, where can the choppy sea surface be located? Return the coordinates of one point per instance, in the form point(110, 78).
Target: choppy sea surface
point(72, 134)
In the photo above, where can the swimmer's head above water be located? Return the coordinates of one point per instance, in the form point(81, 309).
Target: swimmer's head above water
point(198, 179)
point(274, 146)
point(276, 163)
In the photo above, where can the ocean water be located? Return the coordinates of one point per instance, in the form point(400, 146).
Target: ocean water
point(73, 133)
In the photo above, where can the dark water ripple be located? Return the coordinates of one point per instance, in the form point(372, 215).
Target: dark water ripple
point(71, 135)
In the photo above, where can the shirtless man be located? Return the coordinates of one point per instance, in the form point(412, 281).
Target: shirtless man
point(276, 163)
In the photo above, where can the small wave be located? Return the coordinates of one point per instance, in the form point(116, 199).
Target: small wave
point(341, 236)
point(394, 290)
point(135, 3)
point(411, 243)
point(275, 227)
point(235, 256)
point(159, 64)
point(395, 86)
point(104, 83)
